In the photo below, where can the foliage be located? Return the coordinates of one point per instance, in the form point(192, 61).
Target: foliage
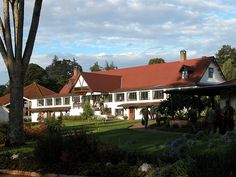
point(34, 132)
point(229, 69)
point(53, 124)
point(37, 74)
point(95, 67)
point(87, 111)
point(48, 148)
point(108, 66)
point(226, 57)
point(2, 90)
point(3, 131)
point(225, 53)
point(156, 61)
point(61, 70)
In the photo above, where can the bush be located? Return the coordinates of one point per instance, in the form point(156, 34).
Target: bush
point(34, 132)
point(87, 111)
point(54, 124)
point(3, 132)
point(48, 148)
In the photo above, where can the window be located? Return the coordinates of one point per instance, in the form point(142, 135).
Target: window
point(144, 95)
point(108, 98)
point(132, 96)
point(58, 101)
point(41, 102)
point(120, 97)
point(157, 94)
point(119, 112)
point(210, 72)
point(66, 101)
point(76, 101)
point(185, 73)
point(49, 102)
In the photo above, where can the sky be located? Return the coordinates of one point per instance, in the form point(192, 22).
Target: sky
point(128, 32)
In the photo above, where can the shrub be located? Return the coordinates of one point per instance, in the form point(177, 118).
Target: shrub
point(3, 132)
point(48, 148)
point(87, 111)
point(34, 132)
point(53, 124)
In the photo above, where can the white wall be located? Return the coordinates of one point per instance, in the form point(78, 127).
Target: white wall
point(4, 114)
point(217, 77)
point(81, 82)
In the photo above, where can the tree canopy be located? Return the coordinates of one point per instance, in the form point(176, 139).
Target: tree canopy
point(226, 58)
point(61, 70)
point(156, 61)
point(95, 67)
point(108, 66)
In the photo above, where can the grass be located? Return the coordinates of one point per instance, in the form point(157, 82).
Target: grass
point(117, 132)
point(114, 132)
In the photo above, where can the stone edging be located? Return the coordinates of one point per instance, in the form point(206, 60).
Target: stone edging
point(34, 174)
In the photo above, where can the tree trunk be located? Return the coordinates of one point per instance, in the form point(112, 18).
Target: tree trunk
point(16, 134)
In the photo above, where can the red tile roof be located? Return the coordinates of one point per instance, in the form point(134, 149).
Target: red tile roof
point(144, 77)
point(31, 91)
point(102, 82)
point(161, 75)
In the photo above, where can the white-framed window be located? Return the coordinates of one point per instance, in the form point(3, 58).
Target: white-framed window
point(157, 94)
point(144, 95)
point(58, 101)
point(119, 112)
point(66, 101)
point(185, 73)
point(131, 96)
point(210, 72)
point(40, 102)
point(119, 97)
point(49, 102)
point(108, 98)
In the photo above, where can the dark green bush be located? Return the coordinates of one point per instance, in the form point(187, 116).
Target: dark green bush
point(54, 124)
point(3, 132)
point(48, 148)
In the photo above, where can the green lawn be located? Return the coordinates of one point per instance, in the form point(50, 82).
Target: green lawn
point(117, 132)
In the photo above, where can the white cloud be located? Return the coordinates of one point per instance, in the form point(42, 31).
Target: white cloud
point(129, 32)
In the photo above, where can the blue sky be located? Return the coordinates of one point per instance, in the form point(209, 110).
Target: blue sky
point(129, 32)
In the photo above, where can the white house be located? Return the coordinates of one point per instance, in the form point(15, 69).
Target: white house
point(123, 92)
point(32, 91)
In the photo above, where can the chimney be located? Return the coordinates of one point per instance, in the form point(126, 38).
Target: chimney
point(183, 55)
point(76, 71)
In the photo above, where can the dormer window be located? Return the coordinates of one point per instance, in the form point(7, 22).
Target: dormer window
point(185, 73)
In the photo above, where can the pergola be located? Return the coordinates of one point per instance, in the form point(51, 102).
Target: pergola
point(227, 89)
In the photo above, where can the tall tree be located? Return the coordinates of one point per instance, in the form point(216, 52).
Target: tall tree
point(226, 58)
point(225, 53)
point(37, 74)
point(95, 67)
point(156, 61)
point(17, 59)
point(61, 70)
point(2, 90)
point(110, 66)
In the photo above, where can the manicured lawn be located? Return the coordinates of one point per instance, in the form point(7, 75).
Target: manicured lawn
point(117, 132)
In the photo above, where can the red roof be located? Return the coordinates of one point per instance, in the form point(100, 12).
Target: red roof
point(102, 82)
point(162, 75)
point(31, 91)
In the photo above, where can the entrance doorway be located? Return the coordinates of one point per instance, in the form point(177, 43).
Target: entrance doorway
point(131, 114)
